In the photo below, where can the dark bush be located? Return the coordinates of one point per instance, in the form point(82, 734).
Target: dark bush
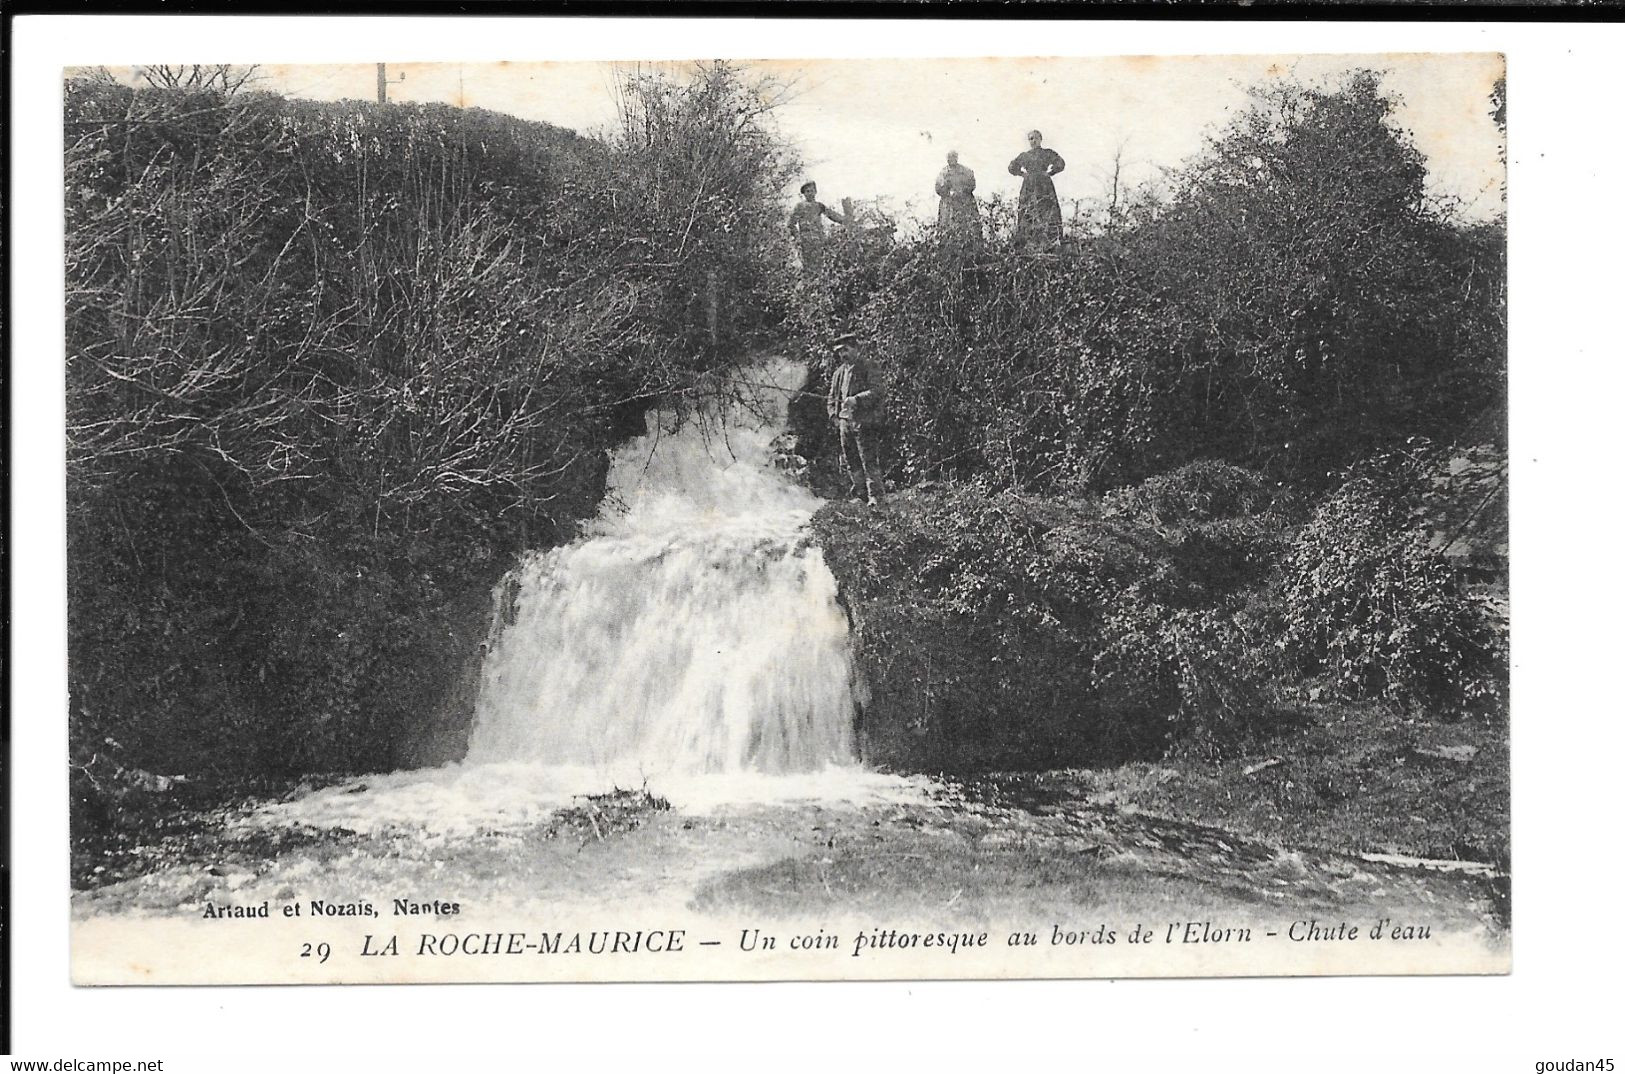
point(1372, 600)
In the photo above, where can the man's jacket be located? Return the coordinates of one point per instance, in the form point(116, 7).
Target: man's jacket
point(851, 396)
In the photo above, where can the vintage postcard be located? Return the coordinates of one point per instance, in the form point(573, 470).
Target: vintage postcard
point(830, 519)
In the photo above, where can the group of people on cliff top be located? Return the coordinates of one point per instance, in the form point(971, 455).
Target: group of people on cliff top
point(1038, 209)
point(853, 395)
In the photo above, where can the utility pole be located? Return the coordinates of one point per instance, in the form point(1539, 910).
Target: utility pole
point(383, 84)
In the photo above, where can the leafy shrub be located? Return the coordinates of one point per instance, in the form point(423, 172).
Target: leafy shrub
point(1371, 599)
point(1224, 525)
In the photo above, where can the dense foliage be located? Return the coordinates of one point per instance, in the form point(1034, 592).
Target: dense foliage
point(1372, 599)
point(330, 365)
point(1002, 628)
point(1237, 443)
point(1291, 301)
point(1202, 607)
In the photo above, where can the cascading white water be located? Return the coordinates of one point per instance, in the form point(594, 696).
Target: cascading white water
point(691, 632)
point(693, 629)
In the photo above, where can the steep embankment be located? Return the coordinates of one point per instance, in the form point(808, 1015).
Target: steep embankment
point(1000, 630)
point(1158, 643)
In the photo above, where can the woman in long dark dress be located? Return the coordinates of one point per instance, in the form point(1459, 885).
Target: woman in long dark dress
point(1038, 212)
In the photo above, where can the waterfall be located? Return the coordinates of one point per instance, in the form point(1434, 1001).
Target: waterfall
point(693, 629)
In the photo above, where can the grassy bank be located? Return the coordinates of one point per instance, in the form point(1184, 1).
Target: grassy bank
point(1348, 777)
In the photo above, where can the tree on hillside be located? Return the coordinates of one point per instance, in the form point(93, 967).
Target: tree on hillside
point(1312, 300)
point(220, 77)
point(702, 167)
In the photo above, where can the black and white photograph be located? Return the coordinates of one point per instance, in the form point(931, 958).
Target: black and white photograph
point(788, 520)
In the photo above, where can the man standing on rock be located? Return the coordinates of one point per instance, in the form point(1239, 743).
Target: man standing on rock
point(849, 403)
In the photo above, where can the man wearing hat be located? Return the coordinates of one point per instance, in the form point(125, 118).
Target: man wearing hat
point(850, 402)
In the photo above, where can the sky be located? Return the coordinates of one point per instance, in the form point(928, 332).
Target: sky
point(879, 129)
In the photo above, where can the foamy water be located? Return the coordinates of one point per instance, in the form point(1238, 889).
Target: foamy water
point(694, 631)
point(690, 643)
point(467, 799)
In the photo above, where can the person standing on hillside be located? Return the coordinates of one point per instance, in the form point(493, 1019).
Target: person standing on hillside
point(957, 218)
point(1038, 212)
point(807, 227)
point(850, 402)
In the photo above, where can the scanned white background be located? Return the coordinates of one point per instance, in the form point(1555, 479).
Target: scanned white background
point(1566, 236)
